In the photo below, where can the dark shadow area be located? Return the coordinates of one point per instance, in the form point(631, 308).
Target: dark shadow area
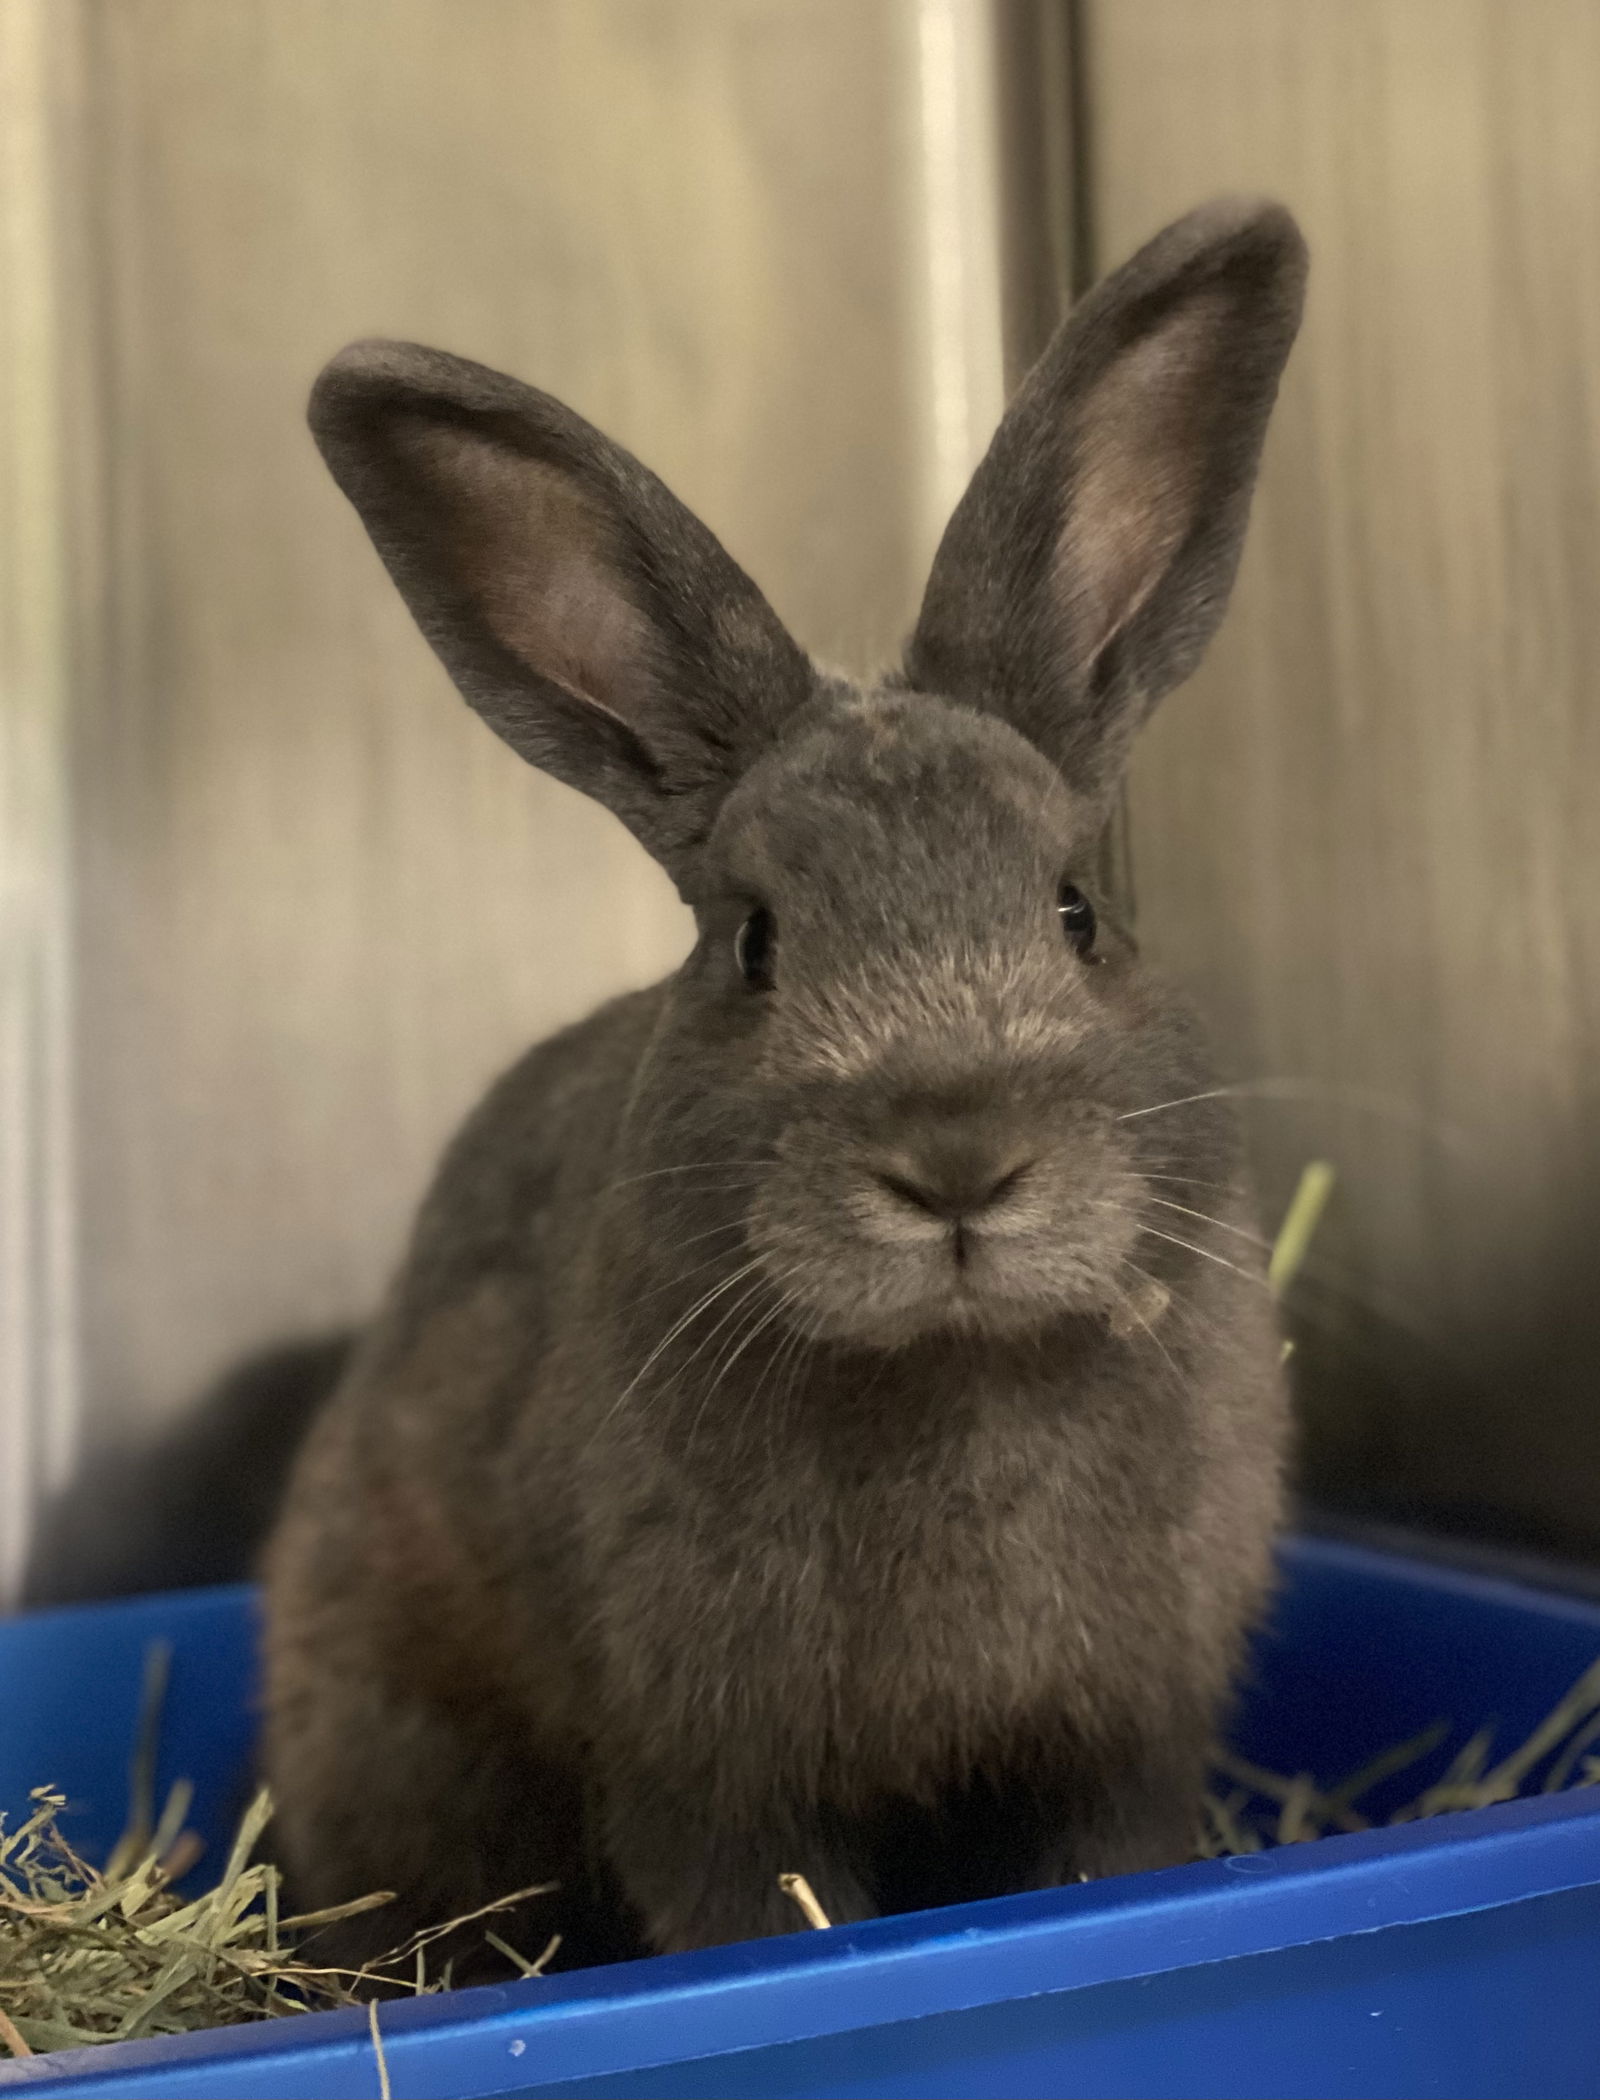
point(192, 1505)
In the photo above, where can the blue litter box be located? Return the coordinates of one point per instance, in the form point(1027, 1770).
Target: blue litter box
point(1457, 1958)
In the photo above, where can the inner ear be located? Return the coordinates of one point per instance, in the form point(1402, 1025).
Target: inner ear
point(538, 559)
point(1142, 451)
point(1089, 562)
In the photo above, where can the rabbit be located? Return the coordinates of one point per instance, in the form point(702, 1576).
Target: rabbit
point(809, 1431)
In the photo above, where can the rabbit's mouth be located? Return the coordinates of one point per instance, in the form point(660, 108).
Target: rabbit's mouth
point(991, 1240)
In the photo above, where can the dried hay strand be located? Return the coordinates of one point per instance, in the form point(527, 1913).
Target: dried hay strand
point(108, 1956)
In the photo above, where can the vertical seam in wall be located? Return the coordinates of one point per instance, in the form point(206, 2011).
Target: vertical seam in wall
point(39, 1386)
point(1085, 242)
point(958, 221)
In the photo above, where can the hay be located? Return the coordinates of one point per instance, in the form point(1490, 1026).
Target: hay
point(1300, 1222)
point(115, 1954)
point(90, 1956)
point(1261, 1808)
point(98, 1956)
point(804, 1897)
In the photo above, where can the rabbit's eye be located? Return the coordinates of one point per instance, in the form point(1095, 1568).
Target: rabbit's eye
point(1077, 917)
point(755, 948)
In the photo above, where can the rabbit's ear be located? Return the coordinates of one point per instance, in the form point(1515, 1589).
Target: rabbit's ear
point(1090, 560)
point(589, 618)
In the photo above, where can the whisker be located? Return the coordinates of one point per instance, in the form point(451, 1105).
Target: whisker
point(1156, 1108)
point(730, 1318)
point(1205, 1218)
point(732, 1225)
point(1310, 1313)
point(756, 1327)
point(1321, 1272)
point(804, 1336)
point(1199, 1317)
point(809, 1328)
point(1205, 1254)
point(699, 1268)
point(707, 1188)
point(728, 1362)
point(700, 1305)
point(807, 1332)
point(785, 1362)
point(1130, 1306)
point(761, 1321)
point(1368, 1100)
point(1315, 1315)
point(697, 1166)
point(1192, 1180)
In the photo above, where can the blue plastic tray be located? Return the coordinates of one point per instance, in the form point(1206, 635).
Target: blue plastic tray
point(1457, 1958)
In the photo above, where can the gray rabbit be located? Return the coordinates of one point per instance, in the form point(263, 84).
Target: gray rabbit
point(810, 1430)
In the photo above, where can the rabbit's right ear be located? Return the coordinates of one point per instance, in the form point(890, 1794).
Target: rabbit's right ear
point(1089, 562)
point(590, 618)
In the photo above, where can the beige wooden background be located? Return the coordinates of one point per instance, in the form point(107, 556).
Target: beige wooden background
point(315, 904)
point(1371, 831)
point(320, 905)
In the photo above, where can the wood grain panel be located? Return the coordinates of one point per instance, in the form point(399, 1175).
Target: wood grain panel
point(1368, 833)
point(319, 904)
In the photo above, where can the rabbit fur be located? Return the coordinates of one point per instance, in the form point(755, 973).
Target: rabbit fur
point(799, 1437)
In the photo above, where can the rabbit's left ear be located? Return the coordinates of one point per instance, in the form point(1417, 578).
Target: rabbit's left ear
point(1090, 560)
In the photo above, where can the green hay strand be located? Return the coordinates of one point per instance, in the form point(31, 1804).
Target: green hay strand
point(1299, 1225)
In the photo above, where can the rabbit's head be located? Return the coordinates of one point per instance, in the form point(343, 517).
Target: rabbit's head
point(907, 1055)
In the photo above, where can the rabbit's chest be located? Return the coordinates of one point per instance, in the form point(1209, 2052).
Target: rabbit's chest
point(841, 1620)
point(985, 1598)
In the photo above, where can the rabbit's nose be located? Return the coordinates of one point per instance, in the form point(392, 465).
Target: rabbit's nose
point(953, 1183)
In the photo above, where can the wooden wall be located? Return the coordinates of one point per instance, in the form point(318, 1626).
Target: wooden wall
point(318, 904)
point(1370, 832)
